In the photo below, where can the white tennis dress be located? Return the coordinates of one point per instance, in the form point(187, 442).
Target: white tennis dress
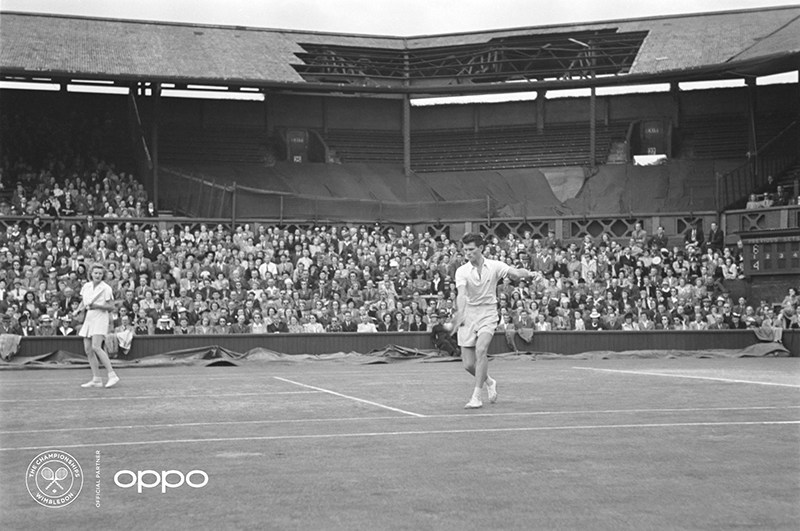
point(96, 322)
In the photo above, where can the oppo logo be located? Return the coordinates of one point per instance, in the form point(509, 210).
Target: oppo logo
point(168, 479)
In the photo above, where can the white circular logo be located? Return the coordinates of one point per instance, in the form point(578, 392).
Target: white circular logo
point(54, 478)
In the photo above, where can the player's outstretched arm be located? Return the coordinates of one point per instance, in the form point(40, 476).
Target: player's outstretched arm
point(517, 273)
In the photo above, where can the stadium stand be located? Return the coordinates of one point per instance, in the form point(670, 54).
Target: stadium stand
point(514, 171)
point(511, 147)
point(240, 145)
point(726, 136)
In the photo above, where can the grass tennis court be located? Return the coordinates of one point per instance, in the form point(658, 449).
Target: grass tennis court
point(615, 444)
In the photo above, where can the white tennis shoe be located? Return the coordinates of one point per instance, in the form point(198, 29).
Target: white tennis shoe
point(492, 389)
point(474, 403)
point(93, 383)
point(113, 380)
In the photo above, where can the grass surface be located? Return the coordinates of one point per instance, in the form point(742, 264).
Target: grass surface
point(626, 444)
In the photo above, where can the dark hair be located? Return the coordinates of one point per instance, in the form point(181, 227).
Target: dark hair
point(473, 237)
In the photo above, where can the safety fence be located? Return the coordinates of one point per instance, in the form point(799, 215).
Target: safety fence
point(558, 342)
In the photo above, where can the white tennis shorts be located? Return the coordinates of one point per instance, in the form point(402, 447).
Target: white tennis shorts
point(477, 320)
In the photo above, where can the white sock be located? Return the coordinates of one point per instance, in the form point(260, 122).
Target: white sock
point(476, 393)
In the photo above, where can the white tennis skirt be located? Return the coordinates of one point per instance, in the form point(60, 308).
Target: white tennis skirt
point(96, 323)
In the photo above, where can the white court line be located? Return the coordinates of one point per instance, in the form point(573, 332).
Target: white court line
point(395, 418)
point(114, 397)
point(648, 373)
point(420, 432)
point(187, 377)
point(350, 397)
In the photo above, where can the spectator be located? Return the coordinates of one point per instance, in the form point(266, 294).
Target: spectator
point(443, 339)
point(366, 325)
point(164, 326)
point(639, 235)
point(258, 326)
point(716, 239)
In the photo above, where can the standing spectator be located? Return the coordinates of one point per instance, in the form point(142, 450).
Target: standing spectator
point(660, 240)
point(694, 240)
point(716, 239)
point(639, 235)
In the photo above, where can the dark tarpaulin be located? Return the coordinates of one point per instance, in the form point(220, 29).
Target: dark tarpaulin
point(215, 355)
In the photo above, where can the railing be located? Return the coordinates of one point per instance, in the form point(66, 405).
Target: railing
point(569, 229)
point(774, 157)
point(785, 217)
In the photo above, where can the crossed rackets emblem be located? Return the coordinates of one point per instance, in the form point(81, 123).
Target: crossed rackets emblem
point(54, 478)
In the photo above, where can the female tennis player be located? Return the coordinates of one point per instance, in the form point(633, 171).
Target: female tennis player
point(97, 299)
point(476, 311)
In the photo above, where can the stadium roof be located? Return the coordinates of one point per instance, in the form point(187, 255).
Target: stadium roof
point(697, 47)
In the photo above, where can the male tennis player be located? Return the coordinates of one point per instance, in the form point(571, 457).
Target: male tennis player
point(476, 311)
point(97, 299)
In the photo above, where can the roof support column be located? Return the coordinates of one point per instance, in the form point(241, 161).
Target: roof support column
point(156, 95)
point(675, 94)
point(752, 140)
point(540, 110)
point(406, 135)
point(592, 128)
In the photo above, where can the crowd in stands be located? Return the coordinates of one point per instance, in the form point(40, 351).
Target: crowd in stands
point(199, 279)
point(772, 195)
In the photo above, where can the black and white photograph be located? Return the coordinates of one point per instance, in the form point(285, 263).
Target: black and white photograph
point(399, 265)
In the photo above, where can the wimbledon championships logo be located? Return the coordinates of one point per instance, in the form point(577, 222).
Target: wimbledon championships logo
point(54, 478)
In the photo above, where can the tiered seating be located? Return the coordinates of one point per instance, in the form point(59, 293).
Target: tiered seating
point(511, 147)
point(495, 148)
point(249, 145)
point(366, 146)
point(722, 136)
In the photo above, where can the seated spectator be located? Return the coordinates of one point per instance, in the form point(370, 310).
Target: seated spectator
point(367, 325)
point(222, 327)
point(277, 326)
point(258, 326)
point(64, 326)
point(594, 324)
point(125, 333)
point(443, 339)
point(184, 328)
point(46, 326)
point(386, 323)
point(294, 325)
point(313, 326)
point(419, 324)
point(164, 326)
